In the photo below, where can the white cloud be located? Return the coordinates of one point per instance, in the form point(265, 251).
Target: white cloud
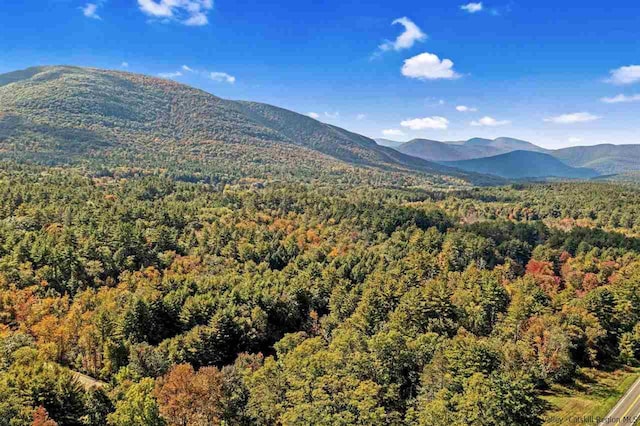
point(124, 65)
point(412, 34)
point(90, 10)
point(621, 99)
point(625, 75)
point(313, 115)
point(428, 66)
point(393, 132)
point(361, 116)
point(222, 77)
point(575, 140)
point(332, 115)
point(436, 123)
point(464, 108)
point(186, 12)
point(489, 122)
point(576, 117)
point(170, 74)
point(157, 10)
point(472, 7)
point(197, 20)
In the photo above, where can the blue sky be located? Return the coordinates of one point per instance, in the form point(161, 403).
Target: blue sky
point(533, 70)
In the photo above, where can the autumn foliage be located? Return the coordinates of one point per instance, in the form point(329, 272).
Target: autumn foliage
point(132, 298)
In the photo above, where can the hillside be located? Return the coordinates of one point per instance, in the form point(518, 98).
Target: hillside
point(64, 114)
point(465, 150)
point(606, 158)
point(523, 164)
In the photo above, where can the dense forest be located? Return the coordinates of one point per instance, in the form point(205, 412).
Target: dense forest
point(200, 303)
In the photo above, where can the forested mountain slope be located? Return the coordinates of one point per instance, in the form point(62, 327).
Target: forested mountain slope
point(61, 114)
point(523, 164)
point(606, 158)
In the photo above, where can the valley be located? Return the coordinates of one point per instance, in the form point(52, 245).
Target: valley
point(168, 257)
point(319, 213)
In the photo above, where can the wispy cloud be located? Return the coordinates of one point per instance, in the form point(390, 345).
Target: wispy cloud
point(621, 99)
point(472, 7)
point(90, 10)
point(428, 66)
point(489, 122)
point(186, 12)
point(393, 132)
point(575, 140)
point(222, 77)
point(361, 117)
point(170, 75)
point(576, 117)
point(434, 123)
point(124, 65)
point(327, 115)
point(625, 75)
point(464, 108)
point(411, 35)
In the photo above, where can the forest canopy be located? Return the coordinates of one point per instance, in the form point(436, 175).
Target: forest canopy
point(131, 298)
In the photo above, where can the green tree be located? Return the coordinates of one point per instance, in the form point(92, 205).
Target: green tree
point(138, 407)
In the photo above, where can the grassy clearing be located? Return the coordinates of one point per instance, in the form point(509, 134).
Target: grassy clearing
point(592, 396)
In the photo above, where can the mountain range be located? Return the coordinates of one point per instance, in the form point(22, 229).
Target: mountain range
point(62, 114)
point(605, 159)
point(100, 118)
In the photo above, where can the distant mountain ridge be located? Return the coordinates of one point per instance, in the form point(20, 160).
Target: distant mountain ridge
point(523, 165)
point(606, 159)
point(64, 114)
point(464, 150)
point(388, 142)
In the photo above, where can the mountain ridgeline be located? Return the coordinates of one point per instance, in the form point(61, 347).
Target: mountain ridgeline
point(465, 150)
point(607, 159)
point(107, 119)
point(580, 161)
point(63, 114)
